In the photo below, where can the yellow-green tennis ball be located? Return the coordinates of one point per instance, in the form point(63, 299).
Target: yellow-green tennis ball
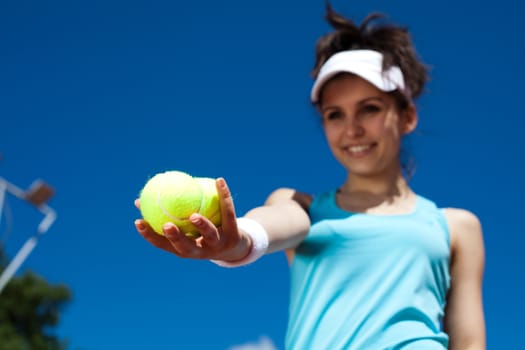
point(171, 196)
point(210, 207)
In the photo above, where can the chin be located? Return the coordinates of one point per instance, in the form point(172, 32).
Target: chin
point(364, 169)
point(362, 173)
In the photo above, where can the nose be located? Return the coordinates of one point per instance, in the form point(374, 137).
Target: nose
point(353, 128)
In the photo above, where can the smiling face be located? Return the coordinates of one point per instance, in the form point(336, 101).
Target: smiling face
point(364, 126)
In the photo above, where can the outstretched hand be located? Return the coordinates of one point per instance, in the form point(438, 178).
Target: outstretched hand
point(217, 243)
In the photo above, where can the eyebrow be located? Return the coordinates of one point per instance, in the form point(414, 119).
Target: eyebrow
point(360, 102)
point(373, 98)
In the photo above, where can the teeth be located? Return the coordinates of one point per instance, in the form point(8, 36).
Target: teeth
point(358, 148)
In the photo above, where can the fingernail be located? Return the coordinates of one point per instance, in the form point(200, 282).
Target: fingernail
point(195, 219)
point(167, 229)
point(139, 225)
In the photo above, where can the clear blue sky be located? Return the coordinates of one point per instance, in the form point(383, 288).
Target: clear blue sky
point(97, 96)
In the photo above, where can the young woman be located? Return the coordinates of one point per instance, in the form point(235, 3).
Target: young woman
point(373, 264)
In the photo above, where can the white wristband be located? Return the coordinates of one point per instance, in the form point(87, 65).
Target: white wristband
point(260, 242)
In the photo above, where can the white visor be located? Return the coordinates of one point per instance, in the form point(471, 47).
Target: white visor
point(367, 64)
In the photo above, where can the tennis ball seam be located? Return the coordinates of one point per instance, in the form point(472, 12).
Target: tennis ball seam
point(168, 214)
point(203, 199)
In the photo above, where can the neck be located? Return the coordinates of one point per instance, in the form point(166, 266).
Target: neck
point(385, 186)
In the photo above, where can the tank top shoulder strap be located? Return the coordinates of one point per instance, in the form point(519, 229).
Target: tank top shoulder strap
point(322, 200)
point(428, 207)
point(323, 206)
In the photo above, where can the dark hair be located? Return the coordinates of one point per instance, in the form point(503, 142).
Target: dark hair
point(393, 41)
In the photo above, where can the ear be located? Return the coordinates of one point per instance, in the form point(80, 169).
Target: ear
point(409, 120)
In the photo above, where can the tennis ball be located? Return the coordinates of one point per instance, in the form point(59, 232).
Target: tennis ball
point(210, 200)
point(173, 196)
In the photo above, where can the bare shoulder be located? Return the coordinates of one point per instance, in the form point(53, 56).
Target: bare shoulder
point(465, 228)
point(285, 194)
point(461, 218)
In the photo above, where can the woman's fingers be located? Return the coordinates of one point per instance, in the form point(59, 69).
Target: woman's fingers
point(183, 245)
point(228, 216)
point(208, 231)
point(152, 237)
point(173, 240)
point(212, 241)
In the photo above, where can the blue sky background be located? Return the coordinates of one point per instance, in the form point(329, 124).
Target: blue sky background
point(97, 96)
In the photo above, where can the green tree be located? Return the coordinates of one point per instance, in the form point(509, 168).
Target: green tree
point(29, 310)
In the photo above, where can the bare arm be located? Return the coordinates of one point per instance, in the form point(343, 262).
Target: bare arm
point(284, 216)
point(464, 318)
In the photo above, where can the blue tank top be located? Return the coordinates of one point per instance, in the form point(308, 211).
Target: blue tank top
point(362, 281)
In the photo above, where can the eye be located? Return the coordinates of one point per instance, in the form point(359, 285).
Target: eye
point(332, 115)
point(371, 109)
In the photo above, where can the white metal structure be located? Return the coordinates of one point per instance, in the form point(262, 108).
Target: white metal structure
point(37, 194)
